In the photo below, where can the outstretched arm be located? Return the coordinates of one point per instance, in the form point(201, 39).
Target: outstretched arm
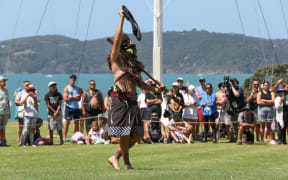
point(117, 39)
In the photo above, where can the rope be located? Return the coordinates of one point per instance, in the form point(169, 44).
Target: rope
point(76, 26)
point(267, 30)
point(243, 30)
point(86, 36)
point(284, 16)
point(261, 38)
point(13, 36)
point(41, 21)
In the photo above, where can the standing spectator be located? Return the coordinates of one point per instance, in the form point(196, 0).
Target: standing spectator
point(175, 104)
point(144, 115)
point(200, 92)
point(153, 101)
point(92, 105)
point(53, 101)
point(190, 114)
point(234, 105)
point(19, 113)
point(265, 101)
point(182, 88)
point(221, 102)
point(4, 110)
point(31, 102)
point(247, 121)
point(252, 101)
point(208, 103)
point(82, 120)
point(281, 105)
point(72, 112)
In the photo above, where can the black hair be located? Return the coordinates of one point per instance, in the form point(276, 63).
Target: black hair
point(209, 84)
point(26, 81)
point(110, 91)
point(73, 76)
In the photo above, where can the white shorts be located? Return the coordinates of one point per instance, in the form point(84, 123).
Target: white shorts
point(190, 116)
point(227, 119)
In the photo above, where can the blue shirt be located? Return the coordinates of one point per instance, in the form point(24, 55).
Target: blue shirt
point(212, 104)
point(73, 92)
point(200, 90)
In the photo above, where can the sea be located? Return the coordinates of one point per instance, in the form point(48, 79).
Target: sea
point(103, 82)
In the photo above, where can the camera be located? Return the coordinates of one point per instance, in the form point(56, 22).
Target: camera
point(226, 82)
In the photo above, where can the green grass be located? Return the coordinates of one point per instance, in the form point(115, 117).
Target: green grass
point(157, 161)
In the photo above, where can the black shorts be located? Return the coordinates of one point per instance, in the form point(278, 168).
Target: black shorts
point(144, 112)
point(91, 116)
point(154, 112)
point(72, 114)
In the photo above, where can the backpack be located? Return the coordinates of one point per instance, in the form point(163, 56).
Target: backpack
point(155, 132)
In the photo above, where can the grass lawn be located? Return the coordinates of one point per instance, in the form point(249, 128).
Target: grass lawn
point(157, 161)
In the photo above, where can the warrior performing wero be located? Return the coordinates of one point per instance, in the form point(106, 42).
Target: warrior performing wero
point(124, 117)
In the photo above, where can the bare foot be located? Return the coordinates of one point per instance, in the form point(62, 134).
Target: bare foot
point(114, 162)
point(127, 167)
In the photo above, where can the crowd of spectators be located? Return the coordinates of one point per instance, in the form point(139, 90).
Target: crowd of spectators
point(184, 114)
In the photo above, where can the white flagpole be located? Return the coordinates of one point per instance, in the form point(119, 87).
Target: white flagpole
point(157, 43)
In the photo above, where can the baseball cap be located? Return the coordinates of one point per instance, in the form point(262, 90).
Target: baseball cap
point(51, 83)
point(3, 78)
point(179, 79)
point(202, 78)
point(30, 87)
point(174, 84)
point(191, 88)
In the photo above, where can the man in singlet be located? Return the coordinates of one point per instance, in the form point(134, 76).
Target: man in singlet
point(71, 96)
point(92, 105)
point(124, 117)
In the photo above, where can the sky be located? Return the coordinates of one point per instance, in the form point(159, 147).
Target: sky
point(178, 15)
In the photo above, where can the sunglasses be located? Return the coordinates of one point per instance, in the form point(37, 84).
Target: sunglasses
point(92, 84)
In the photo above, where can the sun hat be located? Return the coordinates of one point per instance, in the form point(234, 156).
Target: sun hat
point(281, 89)
point(51, 83)
point(3, 79)
point(191, 88)
point(180, 79)
point(174, 84)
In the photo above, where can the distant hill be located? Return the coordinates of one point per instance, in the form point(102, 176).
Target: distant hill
point(184, 52)
point(279, 71)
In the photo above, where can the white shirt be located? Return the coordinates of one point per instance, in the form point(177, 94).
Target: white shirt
point(29, 109)
point(141, 99)
point(192, 110)
point(4, 102)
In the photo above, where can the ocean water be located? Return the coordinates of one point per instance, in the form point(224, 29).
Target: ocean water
point(103, 82)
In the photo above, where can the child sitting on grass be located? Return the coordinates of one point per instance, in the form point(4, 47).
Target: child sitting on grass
point(38, 140)
point(78, 138)
point(95, 135)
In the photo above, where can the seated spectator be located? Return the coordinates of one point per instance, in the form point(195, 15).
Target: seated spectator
point(247, 122)
point(281, 105)
point(175, 126)
point(38, 139)
point(78, 138)
point(95, 135)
